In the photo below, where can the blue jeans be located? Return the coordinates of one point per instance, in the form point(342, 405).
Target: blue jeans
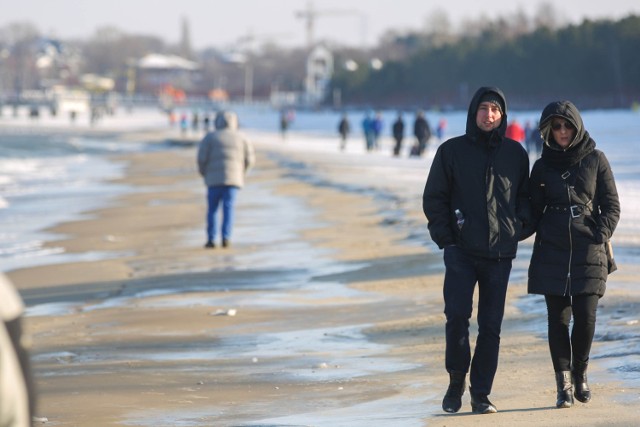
point(462, 273)
point(227, 195)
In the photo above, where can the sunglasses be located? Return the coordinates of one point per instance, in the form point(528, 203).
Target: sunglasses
point(558, 125)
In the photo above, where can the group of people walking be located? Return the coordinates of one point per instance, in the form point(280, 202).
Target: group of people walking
point(480, 200)
point(372, 126)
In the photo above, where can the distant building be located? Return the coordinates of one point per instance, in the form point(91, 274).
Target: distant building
point(155, 71)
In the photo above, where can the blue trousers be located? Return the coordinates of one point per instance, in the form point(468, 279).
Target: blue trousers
point(216, 195)
point(462, 272)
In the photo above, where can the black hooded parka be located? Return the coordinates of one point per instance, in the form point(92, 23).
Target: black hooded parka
point(485, 176)
point(575, 208)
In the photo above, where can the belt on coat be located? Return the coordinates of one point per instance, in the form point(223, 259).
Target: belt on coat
point(574, 210)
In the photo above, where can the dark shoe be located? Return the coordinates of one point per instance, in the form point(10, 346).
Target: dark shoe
point(452, 401)
point(209, 244)
point(564, 398)
point(480, 404)
point(582, 390)
point(226, 243)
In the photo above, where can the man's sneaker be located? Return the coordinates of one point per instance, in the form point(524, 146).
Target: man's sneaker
point(480, 404)
point(226, 243)
point(209, 244)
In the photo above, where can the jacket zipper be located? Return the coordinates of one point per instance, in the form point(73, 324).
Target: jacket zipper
point(567, 288)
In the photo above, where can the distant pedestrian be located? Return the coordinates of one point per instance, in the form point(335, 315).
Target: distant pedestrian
point(514, 131)
point(184, 125)
point(284, 123)
point(343, 129)
point(224, 157)
point(367, 130)
point(195, 121)
point(398, 134)
point(441, 129)
point(422, 132)
point(534, 142)
point(377, 126)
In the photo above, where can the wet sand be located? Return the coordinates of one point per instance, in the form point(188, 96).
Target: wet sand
point(326, 310)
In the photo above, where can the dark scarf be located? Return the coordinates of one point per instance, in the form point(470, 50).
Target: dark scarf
point(491, 138)
point(563, 160)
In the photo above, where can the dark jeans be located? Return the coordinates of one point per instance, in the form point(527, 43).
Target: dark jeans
point(577, 346)
point(463, 271)
point(397, 147)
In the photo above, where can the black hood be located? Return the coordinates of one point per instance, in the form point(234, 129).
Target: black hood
point(567, 111)
point(473, 131)
point(581, 145)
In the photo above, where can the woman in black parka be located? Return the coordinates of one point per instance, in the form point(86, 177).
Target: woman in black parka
point(576, 209)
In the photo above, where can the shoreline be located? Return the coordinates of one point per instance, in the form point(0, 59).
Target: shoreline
point(349, 333)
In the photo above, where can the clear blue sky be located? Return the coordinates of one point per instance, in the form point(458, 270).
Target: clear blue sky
point(222, 23)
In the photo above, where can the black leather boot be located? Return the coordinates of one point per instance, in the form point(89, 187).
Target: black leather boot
point(579, 374)
point(480, 403)
point(565, 389)
point(452, 401)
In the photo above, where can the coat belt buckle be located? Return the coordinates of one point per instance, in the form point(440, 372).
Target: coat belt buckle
point(576, 211)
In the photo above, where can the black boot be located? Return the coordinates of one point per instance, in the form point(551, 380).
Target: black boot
point(579, 374)
point(480, 404)
point(565, 389)
point(452, 401)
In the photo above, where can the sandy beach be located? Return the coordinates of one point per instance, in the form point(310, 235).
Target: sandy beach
point(326, 310)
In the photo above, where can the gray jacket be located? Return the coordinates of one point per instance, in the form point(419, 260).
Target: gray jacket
point(225, 155)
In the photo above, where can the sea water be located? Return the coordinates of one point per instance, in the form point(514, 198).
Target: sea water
point(46, 179)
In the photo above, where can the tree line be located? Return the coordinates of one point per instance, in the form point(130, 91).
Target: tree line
point(596, 64)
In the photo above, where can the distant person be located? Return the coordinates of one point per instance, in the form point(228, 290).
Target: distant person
point(17, 396)
point(398, 134)
point(441, 129)
point(286, 119)
point(534, 142)
point(477, 205)
point(527, 130)
point(195, 121)
point(515, 131)
point(343, 129)
point(284, 124)
point(224, 157)
point(422, 132)
point(367, 131)
point(377, 126)
point(575, 212)
point(184, 125)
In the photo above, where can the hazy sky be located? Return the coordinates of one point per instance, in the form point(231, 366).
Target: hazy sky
point(221, 23)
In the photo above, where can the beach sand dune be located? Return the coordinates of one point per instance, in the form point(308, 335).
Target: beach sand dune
point(326, 311)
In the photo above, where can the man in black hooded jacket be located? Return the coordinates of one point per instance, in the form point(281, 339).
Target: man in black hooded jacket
point(476, 204)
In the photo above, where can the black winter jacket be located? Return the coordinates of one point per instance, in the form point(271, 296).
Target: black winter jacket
point(576, 209)
point(485, 176)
